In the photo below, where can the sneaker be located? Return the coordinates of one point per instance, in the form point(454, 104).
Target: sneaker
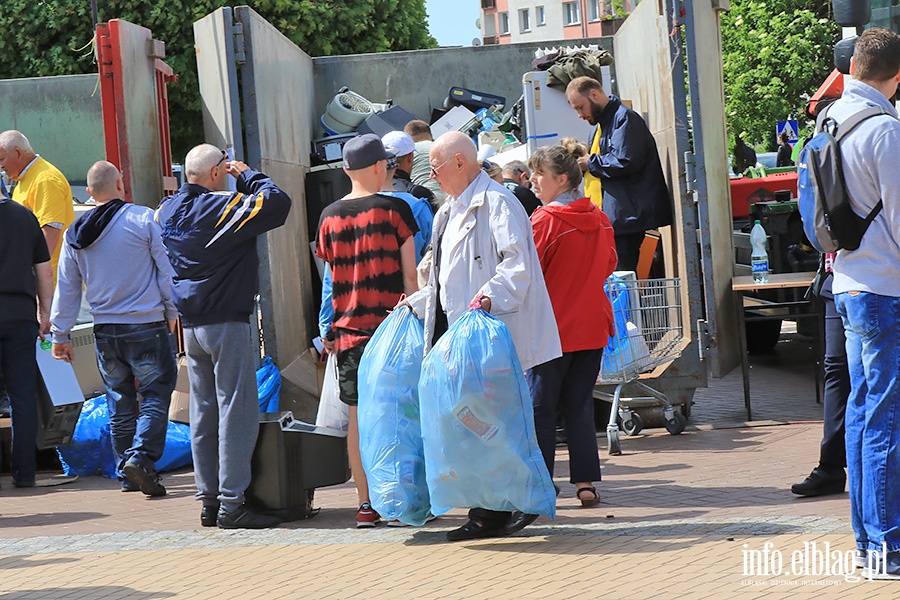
point(146, 478)
point(395, 523)
point(209, 515)
point(366, 516)
point(883, 566)
point(244, 517)
point(130, 486)
point(821, 482)
point(859, 559)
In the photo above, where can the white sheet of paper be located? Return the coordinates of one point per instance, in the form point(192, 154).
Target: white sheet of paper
point(59, 377)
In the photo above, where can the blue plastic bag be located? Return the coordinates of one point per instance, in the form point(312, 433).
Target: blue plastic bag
point(268, 382)
point(84, 454)
point(618, 355)
point(390, 436)
point(478, 423)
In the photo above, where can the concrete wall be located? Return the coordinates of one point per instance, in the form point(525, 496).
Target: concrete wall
point(60, 116)
point(419, 80)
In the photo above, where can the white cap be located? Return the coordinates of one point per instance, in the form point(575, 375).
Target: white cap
point(398, 143)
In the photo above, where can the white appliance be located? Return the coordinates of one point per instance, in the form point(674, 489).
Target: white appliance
point(548, 116)
point(85, 363)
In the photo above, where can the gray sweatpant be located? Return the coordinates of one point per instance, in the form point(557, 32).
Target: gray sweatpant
point(224, 410)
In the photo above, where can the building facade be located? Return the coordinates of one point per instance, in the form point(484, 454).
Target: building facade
point(510, 21)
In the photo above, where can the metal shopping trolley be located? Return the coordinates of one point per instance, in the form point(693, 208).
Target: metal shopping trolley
point(649, 332)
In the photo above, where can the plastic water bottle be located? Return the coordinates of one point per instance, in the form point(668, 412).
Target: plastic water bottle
point(759, 259)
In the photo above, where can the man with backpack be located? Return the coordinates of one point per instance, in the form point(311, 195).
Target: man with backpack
point(867, 295)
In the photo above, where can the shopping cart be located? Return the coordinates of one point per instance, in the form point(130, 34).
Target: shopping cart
point(649, 333)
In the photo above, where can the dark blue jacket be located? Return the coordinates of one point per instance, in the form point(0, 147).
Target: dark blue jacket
point(635, 196)
point(210, 238)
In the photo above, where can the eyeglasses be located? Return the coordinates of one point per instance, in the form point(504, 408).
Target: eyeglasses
point(434, 170)
point(224, 156)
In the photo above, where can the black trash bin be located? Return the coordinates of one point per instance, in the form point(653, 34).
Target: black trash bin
point(290, 461)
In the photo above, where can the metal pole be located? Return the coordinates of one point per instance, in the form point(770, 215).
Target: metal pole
point(94, 18)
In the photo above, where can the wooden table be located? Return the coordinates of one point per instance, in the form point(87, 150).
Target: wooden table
point(779, 281)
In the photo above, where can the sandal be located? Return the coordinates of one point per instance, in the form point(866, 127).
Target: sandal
point(593, 500)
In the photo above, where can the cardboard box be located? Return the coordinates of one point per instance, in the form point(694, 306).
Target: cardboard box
point(179, 409)
point(320, 368)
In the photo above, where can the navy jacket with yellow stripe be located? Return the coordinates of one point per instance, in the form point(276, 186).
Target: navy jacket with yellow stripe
point(210, 238)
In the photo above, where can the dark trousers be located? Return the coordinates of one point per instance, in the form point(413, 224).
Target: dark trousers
point(19, 367)
point(833, 451)
point(628, 249)
point(565, 386)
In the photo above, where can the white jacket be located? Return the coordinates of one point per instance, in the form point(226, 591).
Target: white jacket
point(496, 256)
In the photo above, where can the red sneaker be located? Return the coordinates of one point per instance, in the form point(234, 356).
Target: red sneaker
point(366, 516)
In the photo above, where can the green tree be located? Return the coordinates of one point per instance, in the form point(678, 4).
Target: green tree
point(43, 37)
point(775, 54)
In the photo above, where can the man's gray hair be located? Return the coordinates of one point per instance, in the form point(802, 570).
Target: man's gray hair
point(514, 167)
point(15, 140)
point(102, 178)
point(201, 160)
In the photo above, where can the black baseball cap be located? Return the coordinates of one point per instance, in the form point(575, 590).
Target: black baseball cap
point(364, 151)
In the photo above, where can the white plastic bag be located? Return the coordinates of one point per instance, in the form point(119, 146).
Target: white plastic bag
point(332, 412)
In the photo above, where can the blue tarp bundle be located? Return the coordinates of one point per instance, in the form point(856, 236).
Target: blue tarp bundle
point(90, 450)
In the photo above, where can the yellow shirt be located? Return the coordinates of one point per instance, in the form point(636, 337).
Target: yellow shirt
point(592, 186)
point(45, 191)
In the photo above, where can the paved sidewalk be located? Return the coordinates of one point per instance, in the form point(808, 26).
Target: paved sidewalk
point(679, 517)
point(696, 515)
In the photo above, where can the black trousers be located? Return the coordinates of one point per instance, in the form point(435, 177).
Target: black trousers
point(565, 386)
point(628, 249)
point(833, 452)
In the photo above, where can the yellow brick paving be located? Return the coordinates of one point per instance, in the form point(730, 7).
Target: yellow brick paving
point(678, 514)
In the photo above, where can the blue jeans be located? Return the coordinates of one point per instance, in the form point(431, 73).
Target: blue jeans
point(19, 367)
point(872, 422)
point(143, 352)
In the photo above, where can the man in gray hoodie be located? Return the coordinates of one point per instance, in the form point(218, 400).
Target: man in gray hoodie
point(116, 251)
point(866, 291)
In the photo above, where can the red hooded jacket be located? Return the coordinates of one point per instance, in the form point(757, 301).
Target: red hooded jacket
point(577, 250)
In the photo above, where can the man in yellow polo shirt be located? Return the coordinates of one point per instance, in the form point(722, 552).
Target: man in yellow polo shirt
point(41, 188)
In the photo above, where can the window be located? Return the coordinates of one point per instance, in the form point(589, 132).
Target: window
point(524, 20)
point(539, 17)
point(504, 23)
point(571, 13)
point(593, 9)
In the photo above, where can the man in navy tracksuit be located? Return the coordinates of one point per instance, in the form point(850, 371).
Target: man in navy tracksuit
point(210, 237)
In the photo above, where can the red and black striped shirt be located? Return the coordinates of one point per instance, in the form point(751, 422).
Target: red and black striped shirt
point(361, 238)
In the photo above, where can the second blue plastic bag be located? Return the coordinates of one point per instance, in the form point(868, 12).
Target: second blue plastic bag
point(390, 436)
point(478, 423)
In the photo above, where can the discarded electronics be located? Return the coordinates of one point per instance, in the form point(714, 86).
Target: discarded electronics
point(59, 398)
point(291, 460)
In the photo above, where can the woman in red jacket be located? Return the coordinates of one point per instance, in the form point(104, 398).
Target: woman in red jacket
point(576, 246)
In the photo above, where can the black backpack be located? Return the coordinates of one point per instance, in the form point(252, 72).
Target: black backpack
point(829, 221)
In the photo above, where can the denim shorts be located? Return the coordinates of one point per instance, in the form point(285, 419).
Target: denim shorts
point(348, 373)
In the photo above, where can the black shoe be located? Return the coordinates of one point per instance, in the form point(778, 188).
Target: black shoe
point(146, 478)
point(130, 486)
point(518, 521)
point(473, 530)
point(23, 484)
point(243, 517)
point(209, 515)
point(821, 483)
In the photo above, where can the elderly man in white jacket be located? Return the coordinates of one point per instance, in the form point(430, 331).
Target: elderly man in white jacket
point(484, 247)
